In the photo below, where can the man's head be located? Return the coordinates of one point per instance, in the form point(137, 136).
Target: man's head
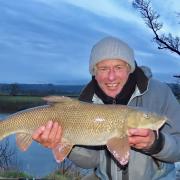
point(111, 62)
point(111, 48)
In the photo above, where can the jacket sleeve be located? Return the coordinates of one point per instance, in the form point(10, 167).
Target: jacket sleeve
point(171, 131)
point(84, 157)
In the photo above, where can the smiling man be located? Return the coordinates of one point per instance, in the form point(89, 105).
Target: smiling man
point(116, 79)
point(112, 76)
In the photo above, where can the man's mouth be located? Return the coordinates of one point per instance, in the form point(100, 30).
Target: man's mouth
point(112, 84)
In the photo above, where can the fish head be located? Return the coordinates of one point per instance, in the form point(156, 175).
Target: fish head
point(146, 120)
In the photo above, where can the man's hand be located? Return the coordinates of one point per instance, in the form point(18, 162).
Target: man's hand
point(48, 135)
point(141, 138)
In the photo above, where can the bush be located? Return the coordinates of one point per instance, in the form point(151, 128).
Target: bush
point(57, 176)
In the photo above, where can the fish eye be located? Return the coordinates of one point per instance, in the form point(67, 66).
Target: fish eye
point(146, 116)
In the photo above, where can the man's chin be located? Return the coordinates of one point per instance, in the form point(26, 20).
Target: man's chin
point(111, 93)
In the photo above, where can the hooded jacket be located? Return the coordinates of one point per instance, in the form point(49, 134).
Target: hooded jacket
point(156, 97)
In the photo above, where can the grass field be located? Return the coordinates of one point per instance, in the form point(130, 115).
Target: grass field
point(16, 103)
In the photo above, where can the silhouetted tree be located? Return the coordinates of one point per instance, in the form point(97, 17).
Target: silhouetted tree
point(14, 89)
point(6, 154)
point(150, 17)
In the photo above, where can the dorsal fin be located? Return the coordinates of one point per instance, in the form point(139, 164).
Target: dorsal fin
point(57, 99)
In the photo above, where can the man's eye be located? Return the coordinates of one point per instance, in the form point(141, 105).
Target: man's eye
point(103, 69)
point(119, 67)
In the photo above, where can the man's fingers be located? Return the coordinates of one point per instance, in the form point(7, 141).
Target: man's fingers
point(138, 132)
point(53, 131)
point(45, 135)
point(57, 138)
point(37, 133)
point(143, 140)
point(49, 135)
point(58, 134)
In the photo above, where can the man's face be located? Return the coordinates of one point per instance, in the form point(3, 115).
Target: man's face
point(111, 76)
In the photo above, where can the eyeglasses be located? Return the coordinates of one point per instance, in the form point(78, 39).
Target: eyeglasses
point(116, 69)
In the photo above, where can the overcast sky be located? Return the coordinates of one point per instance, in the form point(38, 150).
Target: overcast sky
point(49, 41)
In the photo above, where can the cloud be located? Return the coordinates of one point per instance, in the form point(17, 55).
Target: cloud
point(168, 15)
point(50, 41)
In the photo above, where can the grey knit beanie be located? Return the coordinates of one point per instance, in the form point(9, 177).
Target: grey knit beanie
point(111, 48)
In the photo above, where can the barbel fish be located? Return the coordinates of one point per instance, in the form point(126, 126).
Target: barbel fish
point(82, 123)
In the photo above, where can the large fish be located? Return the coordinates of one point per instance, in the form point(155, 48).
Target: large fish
point(82, 124)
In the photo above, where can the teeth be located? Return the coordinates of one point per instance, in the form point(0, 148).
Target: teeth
point(112, 85)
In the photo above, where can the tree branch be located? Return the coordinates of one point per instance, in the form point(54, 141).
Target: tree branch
point(151, 19)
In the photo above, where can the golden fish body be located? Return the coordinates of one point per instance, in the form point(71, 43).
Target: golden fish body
point(82, 124)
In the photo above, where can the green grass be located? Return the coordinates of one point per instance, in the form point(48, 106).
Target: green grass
point(57, 176)
point(16, 174)
point(16, 103)
point(13, 174)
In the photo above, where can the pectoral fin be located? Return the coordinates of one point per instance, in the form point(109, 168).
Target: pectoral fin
point(61, 151)
point(23, 140)
point(119, 148)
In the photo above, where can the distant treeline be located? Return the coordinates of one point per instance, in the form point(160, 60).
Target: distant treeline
point(16, 89)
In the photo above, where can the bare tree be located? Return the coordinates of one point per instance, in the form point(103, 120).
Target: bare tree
point(6, 154)
point(14, 89)
point(151, 19)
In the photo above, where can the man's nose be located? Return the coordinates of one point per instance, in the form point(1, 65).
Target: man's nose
point(111, 74)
